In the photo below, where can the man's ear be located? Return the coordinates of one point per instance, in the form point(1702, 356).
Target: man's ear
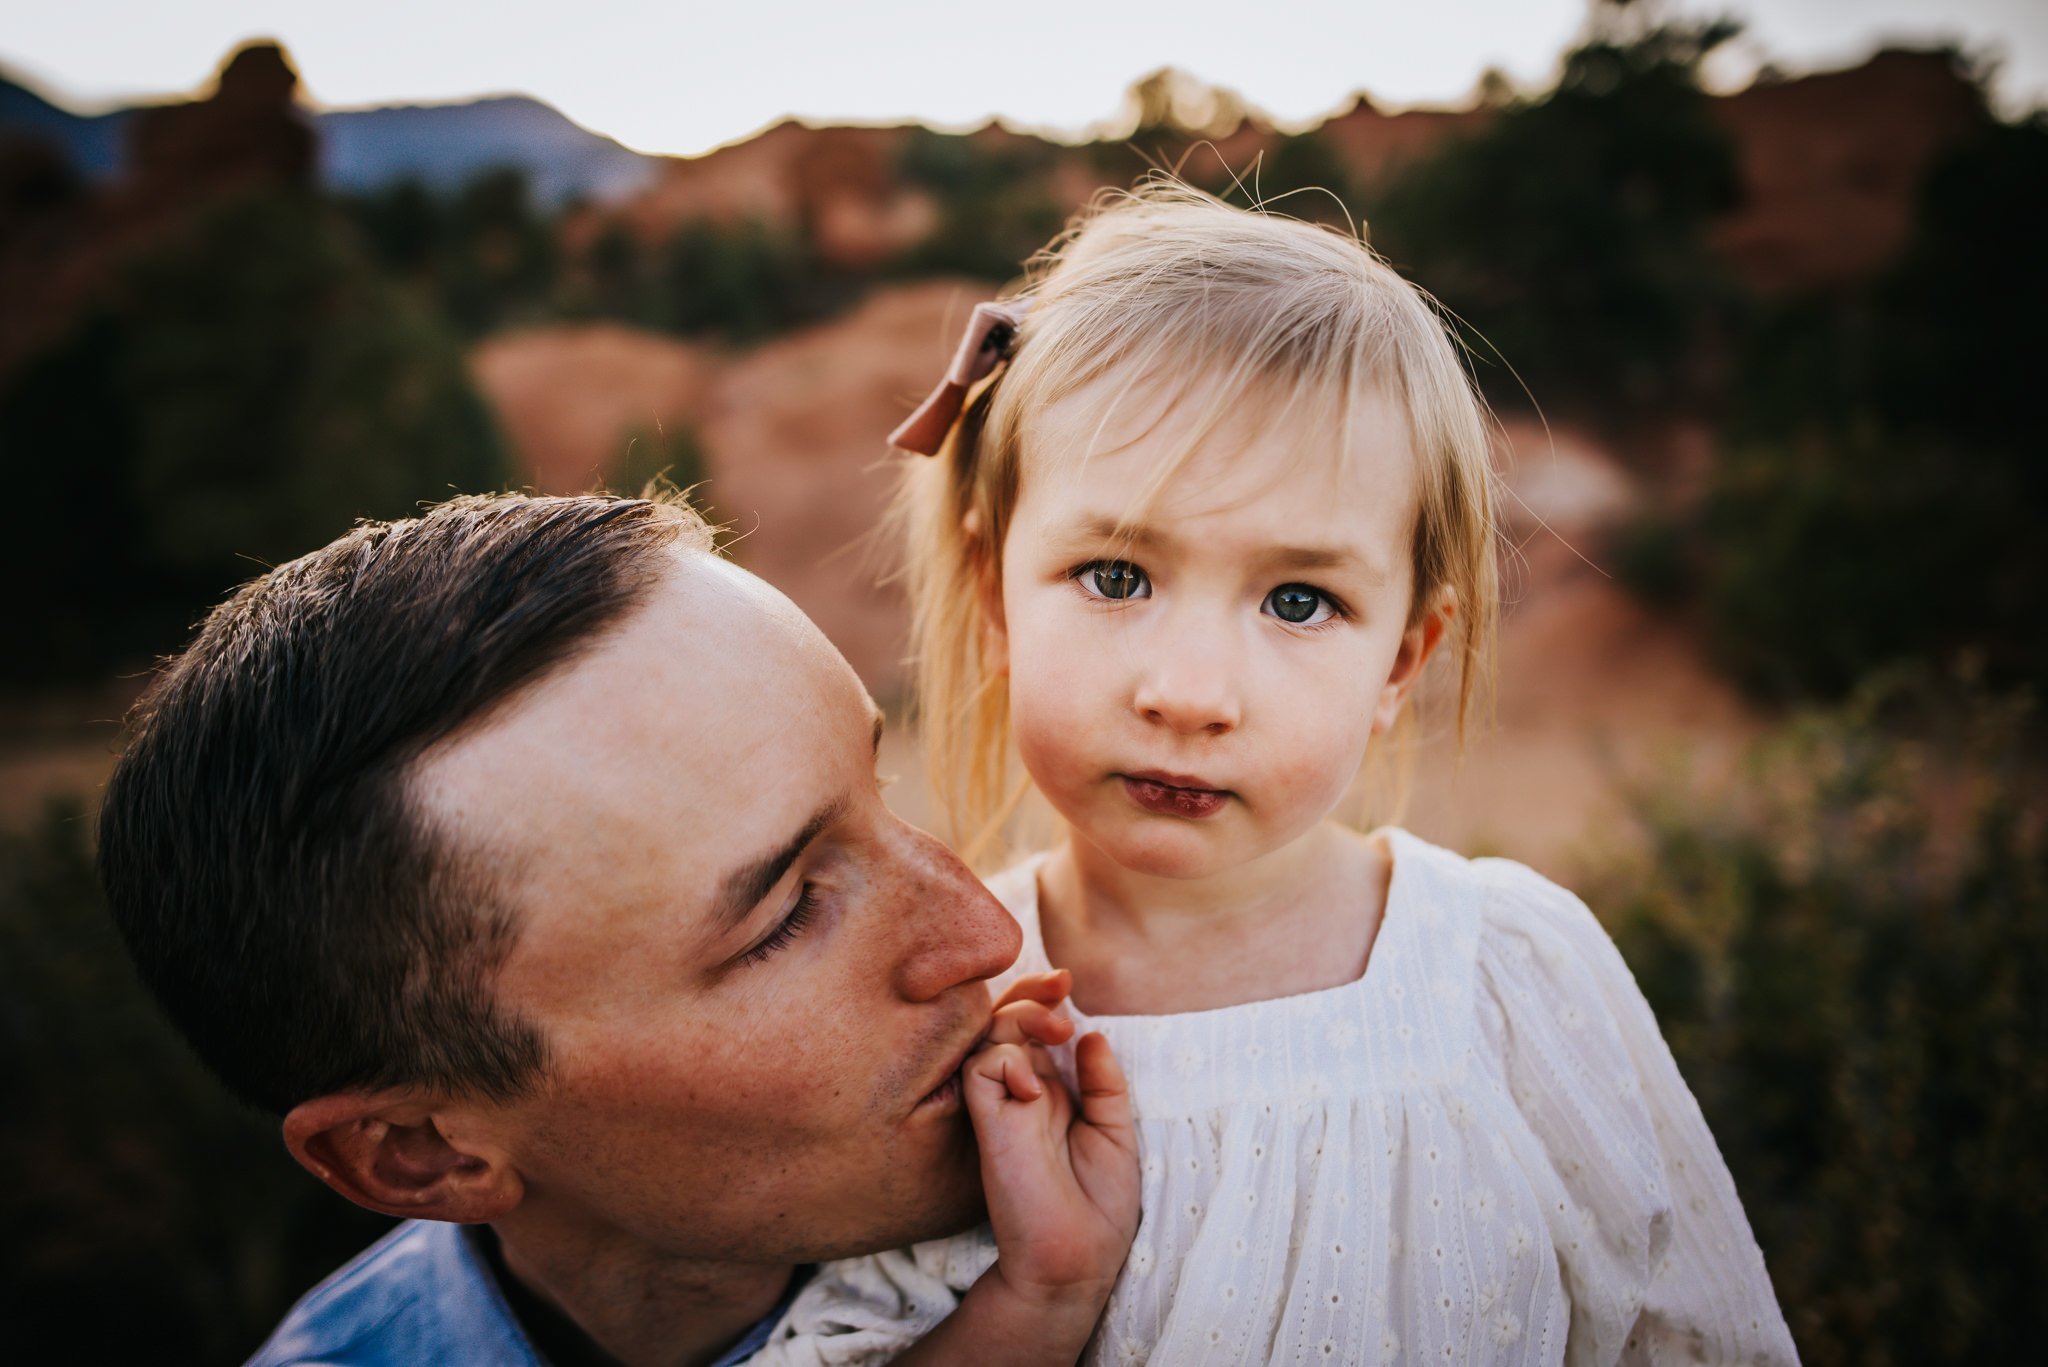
point(1418, 643)
point(394, 1153)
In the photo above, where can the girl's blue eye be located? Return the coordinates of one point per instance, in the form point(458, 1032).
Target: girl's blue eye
point(1116, 579)
point(1299, 605)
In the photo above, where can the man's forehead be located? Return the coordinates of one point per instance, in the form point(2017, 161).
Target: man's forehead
point(671, 713)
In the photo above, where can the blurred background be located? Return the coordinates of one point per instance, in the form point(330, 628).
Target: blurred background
point(1757, 295)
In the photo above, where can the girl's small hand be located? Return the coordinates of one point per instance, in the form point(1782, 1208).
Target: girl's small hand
point(1062, 1187)
point(1061, 1180)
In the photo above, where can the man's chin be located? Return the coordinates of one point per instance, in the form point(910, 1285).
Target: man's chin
point(945, 1198)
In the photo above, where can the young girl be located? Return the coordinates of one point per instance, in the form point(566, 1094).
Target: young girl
point(1189, 550)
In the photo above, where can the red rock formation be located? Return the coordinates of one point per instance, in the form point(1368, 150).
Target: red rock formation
point(1376, 144)
point(838, 183)
point(1831, 164)
point(249, 131)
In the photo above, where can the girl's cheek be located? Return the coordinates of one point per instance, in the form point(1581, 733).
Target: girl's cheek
point(1317, 765)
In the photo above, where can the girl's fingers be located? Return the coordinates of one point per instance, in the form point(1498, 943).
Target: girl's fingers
point(1105, 1095)
point(1008, 1065)
point(1048, 989)
point(1029, 1022)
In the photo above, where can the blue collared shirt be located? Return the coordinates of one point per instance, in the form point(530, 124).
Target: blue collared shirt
point(422, 1296)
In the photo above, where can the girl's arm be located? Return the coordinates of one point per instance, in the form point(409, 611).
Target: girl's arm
point(1658, 1254)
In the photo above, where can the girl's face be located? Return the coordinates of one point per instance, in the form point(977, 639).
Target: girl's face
point(1194, 676)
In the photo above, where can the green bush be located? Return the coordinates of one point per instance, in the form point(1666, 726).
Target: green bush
point(1832, 557)
point(149, 1218)
point(1847, 955)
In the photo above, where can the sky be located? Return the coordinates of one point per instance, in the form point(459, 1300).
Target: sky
point(680, 76)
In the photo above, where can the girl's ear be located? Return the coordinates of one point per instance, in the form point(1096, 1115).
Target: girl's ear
point(1418, 643)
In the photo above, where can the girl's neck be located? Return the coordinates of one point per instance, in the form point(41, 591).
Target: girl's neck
point(1299, 920)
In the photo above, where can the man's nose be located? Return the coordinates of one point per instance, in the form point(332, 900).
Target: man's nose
point(1187, 680)
point(957, 932)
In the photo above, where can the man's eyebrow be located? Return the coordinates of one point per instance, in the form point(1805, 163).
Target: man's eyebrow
point(745, 886)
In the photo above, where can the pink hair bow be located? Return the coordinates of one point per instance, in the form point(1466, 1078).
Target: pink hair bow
point(990, 338)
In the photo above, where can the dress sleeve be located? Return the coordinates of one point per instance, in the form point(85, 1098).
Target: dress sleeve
point(862, 1311)
point(1657, 1255)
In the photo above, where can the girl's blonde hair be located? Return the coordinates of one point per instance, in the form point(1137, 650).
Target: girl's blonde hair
point(1168, 285)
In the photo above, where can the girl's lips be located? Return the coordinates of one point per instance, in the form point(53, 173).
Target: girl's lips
point(1155, 794)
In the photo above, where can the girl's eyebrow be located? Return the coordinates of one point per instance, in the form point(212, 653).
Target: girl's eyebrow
point(1100, 528)
point(1316, 558)
point(1107, 533)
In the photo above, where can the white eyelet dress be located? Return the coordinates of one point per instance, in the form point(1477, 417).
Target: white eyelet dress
point(1480, 1151)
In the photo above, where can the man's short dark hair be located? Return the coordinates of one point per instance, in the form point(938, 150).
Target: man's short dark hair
point(293, 914)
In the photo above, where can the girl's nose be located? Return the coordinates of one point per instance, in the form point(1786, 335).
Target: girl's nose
point(1191, 692)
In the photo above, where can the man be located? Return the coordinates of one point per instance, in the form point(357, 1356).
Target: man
point(529, 859)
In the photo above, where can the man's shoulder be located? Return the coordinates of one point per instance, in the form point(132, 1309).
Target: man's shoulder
point(419, 1295)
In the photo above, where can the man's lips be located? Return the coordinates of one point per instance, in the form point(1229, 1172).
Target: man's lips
point(946, 1091)
point(1181, 795)
point(942, 1097)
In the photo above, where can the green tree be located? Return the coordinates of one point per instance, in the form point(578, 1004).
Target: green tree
point(485, 255)
point(996, 205)
point(253, 388)
point(1570, 232)
point(499, 256)
point(613, 277)
point(1884, 484)
point(403, 226)
point(742, 281)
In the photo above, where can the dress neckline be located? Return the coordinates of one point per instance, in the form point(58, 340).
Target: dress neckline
point(1402, 851)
